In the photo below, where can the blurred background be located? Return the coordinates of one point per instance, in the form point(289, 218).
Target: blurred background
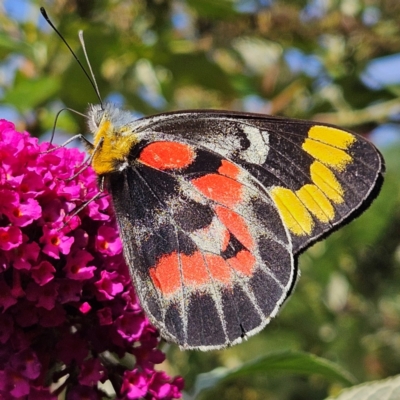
point(336, 61)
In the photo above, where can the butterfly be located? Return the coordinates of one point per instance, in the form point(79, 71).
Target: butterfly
point(214, 207)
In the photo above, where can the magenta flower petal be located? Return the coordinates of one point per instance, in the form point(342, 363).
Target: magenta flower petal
point(95, 209)
point(13, 384)
point(10, 237)
point(41, 393)
point(92, 372)
point(65, 292)
point(25, 213)
point(53, 317)
point(134, 385)
point(31, 185)
point(26, 314)
point(26, 364)
point(55, 242)
point(53, 212)
point(72, 341)
point(85, 307)
point(76, 267)
point(6, 327)
point(6, 297)
point(44, 296)
point(43, 273)
point(105, 316)
point(9, 201)
point(161, 387)
point(25, 255)
point(147, 356)
point(108, 241)
point(109, 285)
point(69, 291)
point(130, 325)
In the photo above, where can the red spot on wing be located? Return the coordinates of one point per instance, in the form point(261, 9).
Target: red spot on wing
point(194, 269)
point(219, 268)
point(166, 275)
point(167, 155)
point(236, 225)
point(229, 169)
point(197, 269)
point(243, 262)
point(220, 189)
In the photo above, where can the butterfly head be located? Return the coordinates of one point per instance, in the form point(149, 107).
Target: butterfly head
point(113, 137)
point(99, 114)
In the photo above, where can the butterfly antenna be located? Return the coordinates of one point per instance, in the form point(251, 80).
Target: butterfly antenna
point(90, 66)
point(92, 79)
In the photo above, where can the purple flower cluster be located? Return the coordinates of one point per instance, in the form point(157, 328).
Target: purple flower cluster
point(69, 319)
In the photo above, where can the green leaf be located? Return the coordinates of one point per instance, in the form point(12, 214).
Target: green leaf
point(387, 389)
point(196, 69)
point(287, 361)
point(29, 93)
point(11, 45)
point(213, 9)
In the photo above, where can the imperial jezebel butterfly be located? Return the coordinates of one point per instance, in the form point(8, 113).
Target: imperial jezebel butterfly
point(214, 207)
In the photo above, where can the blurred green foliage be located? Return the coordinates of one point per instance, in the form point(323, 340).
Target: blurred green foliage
point(296, 58)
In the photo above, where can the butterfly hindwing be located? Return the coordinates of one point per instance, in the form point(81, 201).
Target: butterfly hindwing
point(212, 258)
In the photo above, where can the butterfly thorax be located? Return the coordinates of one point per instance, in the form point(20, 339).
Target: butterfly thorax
point(113, 138)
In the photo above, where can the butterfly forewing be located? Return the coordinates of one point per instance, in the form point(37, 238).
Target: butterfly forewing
point(319, 176)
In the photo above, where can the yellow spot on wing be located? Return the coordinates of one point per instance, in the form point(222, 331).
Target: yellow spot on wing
point(331, 136)
point(294, 214)
point(327, 154)
point(316, 202)
point(326, 181)
point(329, 147)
